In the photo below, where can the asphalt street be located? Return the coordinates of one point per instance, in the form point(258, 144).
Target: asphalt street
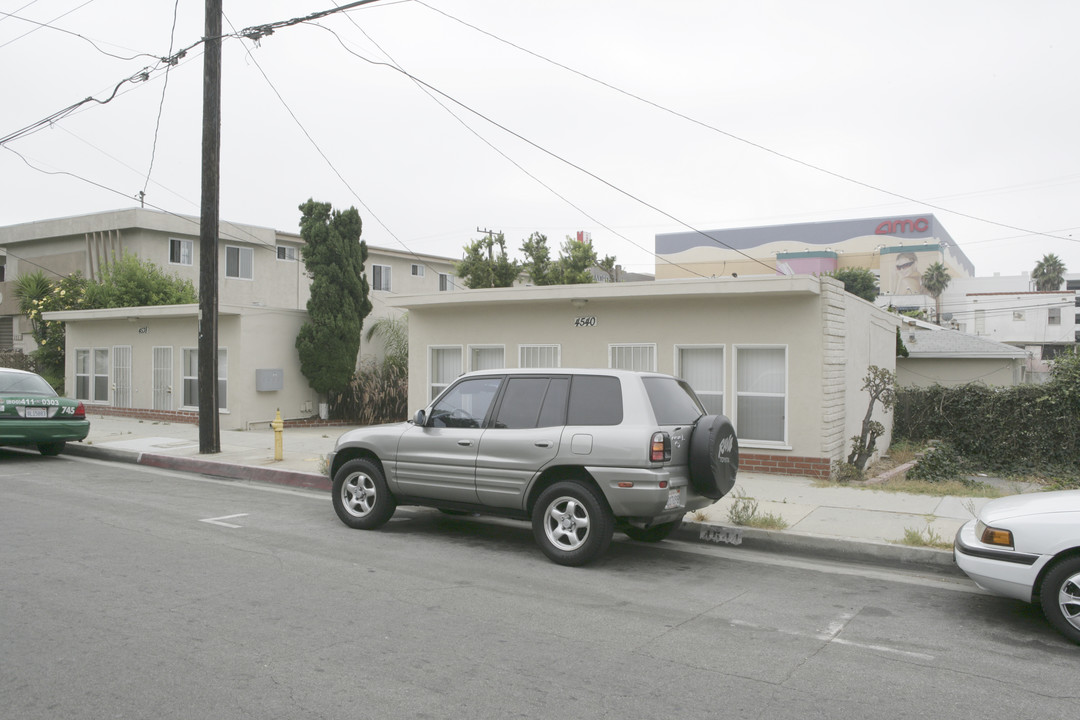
point(134, 592)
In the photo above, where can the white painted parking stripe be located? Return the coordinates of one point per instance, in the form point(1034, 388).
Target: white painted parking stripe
point(217, 520)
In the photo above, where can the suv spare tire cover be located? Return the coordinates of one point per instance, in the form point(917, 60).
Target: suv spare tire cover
point(714, 456)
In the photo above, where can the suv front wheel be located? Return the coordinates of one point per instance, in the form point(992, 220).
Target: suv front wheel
point(572, 523)
point(361, 498)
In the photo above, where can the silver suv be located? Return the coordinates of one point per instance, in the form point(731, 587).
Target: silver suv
point(580, 453)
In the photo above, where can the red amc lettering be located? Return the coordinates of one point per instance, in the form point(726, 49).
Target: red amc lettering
point(898, 227)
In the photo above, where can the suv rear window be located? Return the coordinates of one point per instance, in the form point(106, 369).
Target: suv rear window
point(595, 400)
point(673, 402)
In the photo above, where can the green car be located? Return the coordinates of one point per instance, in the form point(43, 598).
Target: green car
point(31, 413)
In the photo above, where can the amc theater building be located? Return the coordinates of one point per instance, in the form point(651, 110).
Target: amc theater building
point(896, 249)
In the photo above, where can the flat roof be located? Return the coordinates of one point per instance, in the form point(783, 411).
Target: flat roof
point(693, 287)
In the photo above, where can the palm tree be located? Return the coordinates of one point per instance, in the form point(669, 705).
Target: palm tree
point(935, 280)
point(1049, 273)
point(394, 332)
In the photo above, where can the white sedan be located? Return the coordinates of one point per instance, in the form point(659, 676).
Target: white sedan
point(1028, 547)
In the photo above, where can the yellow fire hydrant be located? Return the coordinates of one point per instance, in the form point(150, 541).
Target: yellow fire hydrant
point(278, 425)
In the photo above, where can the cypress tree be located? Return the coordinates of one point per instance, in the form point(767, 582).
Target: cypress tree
point(334, 257)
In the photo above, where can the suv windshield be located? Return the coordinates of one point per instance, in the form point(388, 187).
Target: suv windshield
point(673, 402)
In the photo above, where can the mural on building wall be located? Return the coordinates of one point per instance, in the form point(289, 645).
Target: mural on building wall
point(906, 275)
point(899, 248)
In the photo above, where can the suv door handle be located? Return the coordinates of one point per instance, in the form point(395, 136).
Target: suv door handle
point(543, 443)
point(464, 443)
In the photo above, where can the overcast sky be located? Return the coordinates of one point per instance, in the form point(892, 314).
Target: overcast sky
point(971, 107)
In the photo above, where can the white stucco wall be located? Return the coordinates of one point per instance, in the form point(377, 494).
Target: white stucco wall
point(254, 338)
point(785, 312)
point(870, 339)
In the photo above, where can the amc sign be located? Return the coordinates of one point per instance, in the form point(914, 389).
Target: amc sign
point(898, 227)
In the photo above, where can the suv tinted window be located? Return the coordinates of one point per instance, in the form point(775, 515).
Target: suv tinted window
point(531, 402)
point(520, 406)
point(595, 400)
point(673, 402)
point(466, 404)
point(554, 410)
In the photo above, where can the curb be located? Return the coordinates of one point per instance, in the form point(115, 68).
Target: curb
point(820, 547)
point(215, 468)
point(815, 547)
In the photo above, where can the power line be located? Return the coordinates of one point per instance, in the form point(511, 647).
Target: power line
point(563, 160)
point(50, 26)
point(735, 137)
point(161, 105)
point(195, 221)
point(497, 150)
point(41, 25)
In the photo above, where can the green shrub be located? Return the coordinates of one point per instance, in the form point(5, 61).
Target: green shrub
point(844, 473)
point(743, 510)
point(938, 464)
point(1020, 429)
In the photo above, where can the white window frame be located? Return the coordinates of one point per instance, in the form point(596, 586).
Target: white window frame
point(183, 245)
point(84, 371)
point(651, 347)
point(473, 349)
point(1053, 316)
point(523, 349)
point(100, 375)
point(737, 393)
point(94, 373)
point(446, 282)
point(223, 378)
point(417, 270)
point(241, 253)
point(437, 385)
point(701, 393)
point(286, 253)
point(384, 281)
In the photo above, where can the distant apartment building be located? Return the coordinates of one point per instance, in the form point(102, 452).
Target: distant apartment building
point(146, 357)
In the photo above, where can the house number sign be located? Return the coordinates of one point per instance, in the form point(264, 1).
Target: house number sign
point(585, 321)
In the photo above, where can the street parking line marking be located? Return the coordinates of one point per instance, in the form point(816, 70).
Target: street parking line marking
point(877, 648)
point(217, 520)
point(831, 639)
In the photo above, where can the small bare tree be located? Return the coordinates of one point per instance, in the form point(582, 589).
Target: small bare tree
point(881, 384)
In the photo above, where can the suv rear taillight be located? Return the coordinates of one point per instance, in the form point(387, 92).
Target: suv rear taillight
point(660, 447)
point(80, 411)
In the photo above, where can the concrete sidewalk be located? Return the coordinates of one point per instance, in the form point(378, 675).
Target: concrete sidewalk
point(846, 523)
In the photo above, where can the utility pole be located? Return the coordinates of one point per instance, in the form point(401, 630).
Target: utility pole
point(209, 423)
point(490, 248)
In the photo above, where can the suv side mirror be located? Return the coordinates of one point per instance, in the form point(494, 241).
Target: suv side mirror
point(420, 419)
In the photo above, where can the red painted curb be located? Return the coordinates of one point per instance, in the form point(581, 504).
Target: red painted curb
point(291, 478)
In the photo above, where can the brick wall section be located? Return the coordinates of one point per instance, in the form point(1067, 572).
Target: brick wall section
point(176, 416)
point(192, 417)
point(817, 468)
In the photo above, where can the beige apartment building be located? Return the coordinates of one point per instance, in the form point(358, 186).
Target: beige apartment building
point(146, 358)
point(784, 357)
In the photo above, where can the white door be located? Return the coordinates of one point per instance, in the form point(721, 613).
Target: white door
point(163, 378)
point(122, 376)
